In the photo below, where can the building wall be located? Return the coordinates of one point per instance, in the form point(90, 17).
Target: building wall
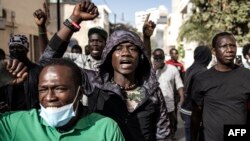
point(181, 9)
point(22, 12)
point(158, 16)
point(24, 23)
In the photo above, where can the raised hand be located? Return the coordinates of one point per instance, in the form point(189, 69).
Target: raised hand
point(83, 11)
point(148, 27)
point(41, 16)
point(17, 69)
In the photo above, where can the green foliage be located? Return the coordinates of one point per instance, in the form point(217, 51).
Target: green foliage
point(212, 16)
point(181, 51)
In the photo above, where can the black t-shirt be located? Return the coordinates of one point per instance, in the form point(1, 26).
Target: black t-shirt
point(223, 96)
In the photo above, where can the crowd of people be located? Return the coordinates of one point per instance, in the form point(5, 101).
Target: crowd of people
point(114, 91)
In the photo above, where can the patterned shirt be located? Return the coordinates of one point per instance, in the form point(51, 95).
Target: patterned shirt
point(133, 98)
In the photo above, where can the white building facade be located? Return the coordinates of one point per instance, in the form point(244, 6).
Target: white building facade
point(158, 16)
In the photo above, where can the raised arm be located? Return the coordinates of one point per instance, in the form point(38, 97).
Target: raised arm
point(83, 11)
point(40, 17)
point(148, 29)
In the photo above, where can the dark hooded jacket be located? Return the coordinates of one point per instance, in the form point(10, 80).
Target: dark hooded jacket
point(202, 57)
point(149, 121)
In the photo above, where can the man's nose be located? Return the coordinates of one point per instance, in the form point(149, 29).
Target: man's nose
point(125, 51)
point(51, 95)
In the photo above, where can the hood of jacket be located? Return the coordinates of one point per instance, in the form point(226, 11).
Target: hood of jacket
point(145, 75)
point(202, 55)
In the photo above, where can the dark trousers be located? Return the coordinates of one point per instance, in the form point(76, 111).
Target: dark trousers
point(187, 122)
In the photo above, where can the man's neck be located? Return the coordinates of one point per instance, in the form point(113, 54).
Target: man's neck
point(95, 58)
point(224, 68)
point(124, 81)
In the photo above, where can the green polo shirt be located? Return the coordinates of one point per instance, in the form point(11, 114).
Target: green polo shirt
point(29, 126)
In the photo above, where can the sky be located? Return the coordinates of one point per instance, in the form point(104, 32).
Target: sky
point(129, 7)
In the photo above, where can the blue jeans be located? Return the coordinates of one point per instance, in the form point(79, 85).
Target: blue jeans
point(187, 122)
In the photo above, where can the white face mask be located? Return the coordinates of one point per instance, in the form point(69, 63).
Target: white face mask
point(57, 117)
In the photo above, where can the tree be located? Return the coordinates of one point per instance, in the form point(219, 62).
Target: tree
point(212, 16)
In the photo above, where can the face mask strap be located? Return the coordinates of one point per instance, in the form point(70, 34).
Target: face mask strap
point(79, 87)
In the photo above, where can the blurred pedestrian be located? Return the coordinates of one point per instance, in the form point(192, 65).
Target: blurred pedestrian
point(169, 78)
point(202, 57)
point(221, 93)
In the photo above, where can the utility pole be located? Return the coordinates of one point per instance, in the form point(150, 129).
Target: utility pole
point(58, 15)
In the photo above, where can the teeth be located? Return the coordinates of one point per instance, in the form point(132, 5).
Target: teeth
point(51, 108)
point(95, 51)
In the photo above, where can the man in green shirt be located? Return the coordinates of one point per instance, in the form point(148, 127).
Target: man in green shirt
point(60, 117)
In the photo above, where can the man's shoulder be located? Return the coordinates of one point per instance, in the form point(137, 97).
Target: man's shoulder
point(204, 74)
point(170, 69)
point(16, 115)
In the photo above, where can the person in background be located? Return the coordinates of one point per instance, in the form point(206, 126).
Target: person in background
point(125, 88)
point(221, 93)
point(22, 96)
point(168, 77)
point(174, 54)
point(76, 49)
point(60, 116)
point(202, 57)
point(96, 42)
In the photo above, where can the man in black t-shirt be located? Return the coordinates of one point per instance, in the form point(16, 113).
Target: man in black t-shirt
point(222, 91)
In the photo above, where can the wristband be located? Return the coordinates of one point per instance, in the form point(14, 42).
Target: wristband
point(71, 25)
point(75, 24)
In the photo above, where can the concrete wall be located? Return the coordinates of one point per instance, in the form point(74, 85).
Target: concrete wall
point(23, 21)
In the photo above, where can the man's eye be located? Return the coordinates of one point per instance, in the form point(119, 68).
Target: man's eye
point(133, 48)
point(60, 89)
point(118, 48)
point(42, 90)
